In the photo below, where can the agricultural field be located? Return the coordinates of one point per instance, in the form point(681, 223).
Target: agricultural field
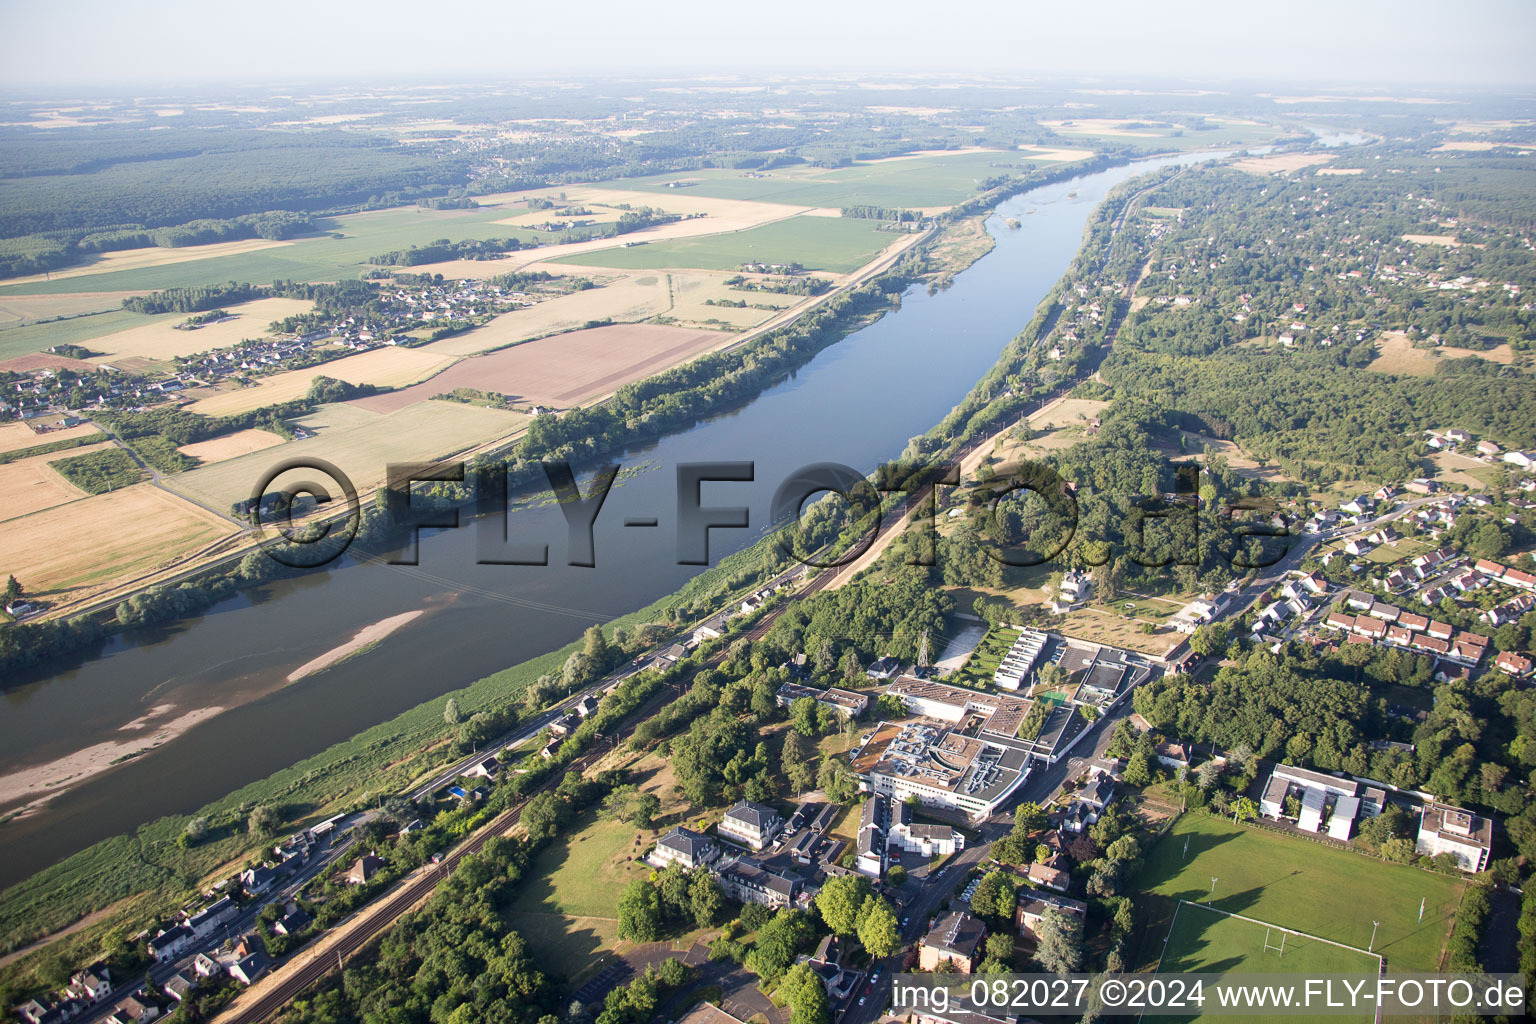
point(833, 244)
point(1295, 883)
point(1068, 412)
point(692, 292)
point(626, 299)
point(382, 367)
point(24, 339)
point(15, 437)
point(30, 485)
point(1455, 468)
point(931, 181)
point(318, 257)
point(564, 370)
point(360, 445)
point(133, 530)
point(228, 446)
point(158, 337)
point(1222, 132)
point(1284, 163)
point(19, 309)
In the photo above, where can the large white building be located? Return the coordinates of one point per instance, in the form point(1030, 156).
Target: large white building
point(1462, 834)
point(750, 824)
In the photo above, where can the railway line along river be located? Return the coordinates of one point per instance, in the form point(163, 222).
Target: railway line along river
point(857, 403)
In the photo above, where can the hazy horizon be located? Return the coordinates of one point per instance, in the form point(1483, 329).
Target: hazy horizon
point(1414, 43)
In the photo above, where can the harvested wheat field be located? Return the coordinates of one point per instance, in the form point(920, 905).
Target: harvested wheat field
point(132, 531)
point(30, 485)
point(692, 291)
point(1285, 162)
point(45, 361)
point(16, 436)
point(136, 259)
point(241, 442)
point(359, 443)
point(383, 367)
point(633, 297)
point(161, 339)
point(1067, 412)
point(564, 370)
point(1396, 354)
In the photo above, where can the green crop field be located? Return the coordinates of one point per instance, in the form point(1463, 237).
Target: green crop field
point(920, 181)
point(317, 258)
point(816, 243)
point(28, 338)
point(1295, 883)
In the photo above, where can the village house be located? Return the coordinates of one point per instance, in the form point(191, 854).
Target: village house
point(1032, 905)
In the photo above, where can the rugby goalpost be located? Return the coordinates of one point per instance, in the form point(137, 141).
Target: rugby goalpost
point(1270, 930)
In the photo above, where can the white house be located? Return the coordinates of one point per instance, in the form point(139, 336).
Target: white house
point(1462, 834)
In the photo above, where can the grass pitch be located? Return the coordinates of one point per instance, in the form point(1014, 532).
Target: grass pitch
point(1295, 883)
point(1204, 939)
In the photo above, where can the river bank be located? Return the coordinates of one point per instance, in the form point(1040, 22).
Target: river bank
point(836, 407)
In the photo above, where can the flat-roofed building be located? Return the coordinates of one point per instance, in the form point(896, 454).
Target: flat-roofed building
point(1466, 836)
point(845, 702)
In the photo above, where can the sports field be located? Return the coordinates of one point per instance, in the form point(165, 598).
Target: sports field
point(1295, 883)
point(835, 244)
point(1203, 939)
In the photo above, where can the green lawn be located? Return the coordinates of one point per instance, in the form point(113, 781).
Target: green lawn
point(921, 181)
point(816, 243)
point(582, 872)
point(1295, 883)
point(566, 946)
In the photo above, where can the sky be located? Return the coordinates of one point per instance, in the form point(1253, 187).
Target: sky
point(1425, 43)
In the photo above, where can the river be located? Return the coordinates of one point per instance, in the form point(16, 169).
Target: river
point(857, 403)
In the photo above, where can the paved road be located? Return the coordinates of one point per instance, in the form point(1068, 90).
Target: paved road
point(323, 856)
